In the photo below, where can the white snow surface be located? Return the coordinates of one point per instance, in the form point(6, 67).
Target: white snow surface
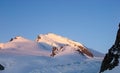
point(25, 56)
point(59, 41)
point(56, 40)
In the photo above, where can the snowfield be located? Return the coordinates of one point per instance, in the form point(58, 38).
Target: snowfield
point(43, 64)
point(21, 55)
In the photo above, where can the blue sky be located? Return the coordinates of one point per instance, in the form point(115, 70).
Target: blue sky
point(94, 23)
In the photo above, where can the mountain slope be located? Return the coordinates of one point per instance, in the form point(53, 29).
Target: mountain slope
point(21, 55)
point(61, 43)
point(20, 45)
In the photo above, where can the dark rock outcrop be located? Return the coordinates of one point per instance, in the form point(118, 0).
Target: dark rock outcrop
point(1, 67)
point(38, 38)
point(111, 59)
point(85, 51)
point(54, 51)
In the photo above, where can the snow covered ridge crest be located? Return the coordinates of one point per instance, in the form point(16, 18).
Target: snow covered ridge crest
point(60, 44)
point(49, 53)
point(57, 45)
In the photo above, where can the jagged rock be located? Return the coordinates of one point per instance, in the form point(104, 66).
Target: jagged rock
point(84, 50)
point(54, 51)
point(38, 38)
point(1, 67)
point(111, 59)
point(11, 39)
point(15, 38)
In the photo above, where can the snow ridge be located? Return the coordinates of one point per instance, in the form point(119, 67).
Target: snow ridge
point(21, 55)
point(60, 42)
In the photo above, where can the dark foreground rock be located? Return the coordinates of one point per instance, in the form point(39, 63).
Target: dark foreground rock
point(111, 59)
point(1, 67)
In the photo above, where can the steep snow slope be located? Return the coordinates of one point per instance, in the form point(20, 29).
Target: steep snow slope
point(21, 55)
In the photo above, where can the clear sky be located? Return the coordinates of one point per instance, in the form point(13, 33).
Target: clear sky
point(94, 23)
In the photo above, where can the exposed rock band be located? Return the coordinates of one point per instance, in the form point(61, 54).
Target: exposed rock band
point(111, 59)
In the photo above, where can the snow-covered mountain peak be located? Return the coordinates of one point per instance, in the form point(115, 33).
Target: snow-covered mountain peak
point(59, 43)
point(53, 44)
point(50, 54)
point(54, 38)
point(21, 45)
